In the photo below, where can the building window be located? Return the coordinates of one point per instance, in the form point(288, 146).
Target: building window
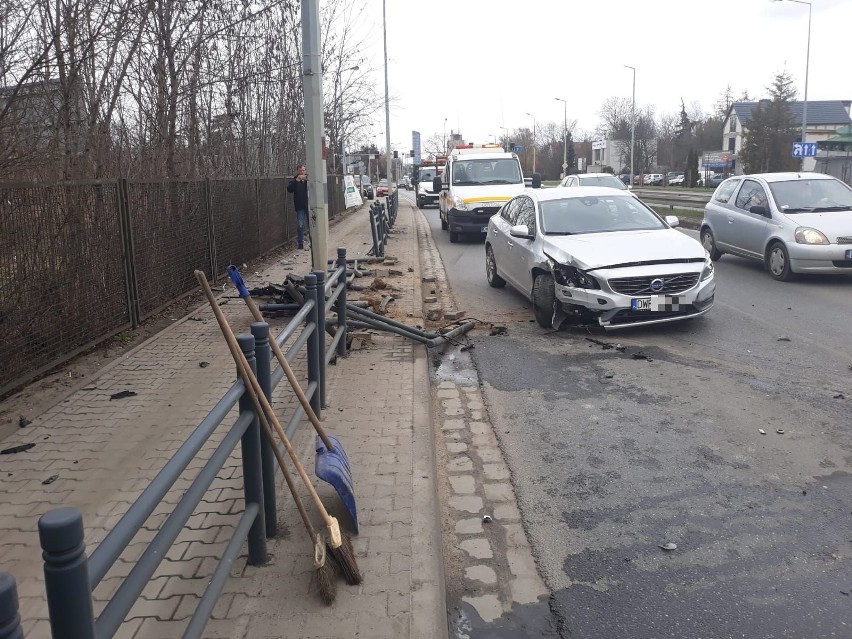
point(733, 124)
point(732, 145)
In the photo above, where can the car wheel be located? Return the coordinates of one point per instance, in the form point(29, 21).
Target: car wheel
point(454, 237)
point(543, 297)
point(778, 262)
point(444, 225)
point(709, 244)
point(494, 280)
point(419, 203)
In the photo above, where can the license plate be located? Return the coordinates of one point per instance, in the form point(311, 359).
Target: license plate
point(655, 303)
point(849, 254)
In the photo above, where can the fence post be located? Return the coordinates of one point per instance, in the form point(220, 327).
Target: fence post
point(211, 227)
point(263, 356)
point(125, 225)
point(313, 341)
point(10, 620)
point(66, 574)
point(375, 231)
point(252, 478)
point(341, 302)
point(321, 333)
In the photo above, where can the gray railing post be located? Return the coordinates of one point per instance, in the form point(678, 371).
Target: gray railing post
point(10, 620)
point(313, 341)
point(66, 574)
point(263, 355)
point(252, 476)
point(321, 333)
point(374, 229)
point(341, 302)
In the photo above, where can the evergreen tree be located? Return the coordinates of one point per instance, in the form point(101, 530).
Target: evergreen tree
point(771, 132)
point(690, 177)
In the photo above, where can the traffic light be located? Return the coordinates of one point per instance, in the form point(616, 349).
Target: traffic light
point(396, 155)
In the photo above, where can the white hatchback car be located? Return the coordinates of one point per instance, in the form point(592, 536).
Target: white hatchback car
point(594, 179)
point(792, 222)
point(594, 255)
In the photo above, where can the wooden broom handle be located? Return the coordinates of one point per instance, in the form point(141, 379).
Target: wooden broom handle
point(256, 393)
point(291, 376)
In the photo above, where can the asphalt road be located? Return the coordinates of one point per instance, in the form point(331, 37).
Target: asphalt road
point(616, 452)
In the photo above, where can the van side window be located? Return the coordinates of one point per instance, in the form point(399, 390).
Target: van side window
point(724, 192)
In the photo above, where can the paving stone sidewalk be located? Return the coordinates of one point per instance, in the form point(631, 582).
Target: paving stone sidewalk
point(105, 452)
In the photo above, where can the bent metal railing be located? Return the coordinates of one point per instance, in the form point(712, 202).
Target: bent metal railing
point(71, 575)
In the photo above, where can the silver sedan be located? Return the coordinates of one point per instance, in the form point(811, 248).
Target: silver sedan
point(593, 255)
point(792, 222)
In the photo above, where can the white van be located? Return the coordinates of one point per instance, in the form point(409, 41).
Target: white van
point(477, 181)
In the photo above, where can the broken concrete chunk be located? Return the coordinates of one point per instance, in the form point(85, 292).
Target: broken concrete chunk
point(394, 271)
point(428, 278)
point(454, 315)
point(430, 299)
point(434, 314)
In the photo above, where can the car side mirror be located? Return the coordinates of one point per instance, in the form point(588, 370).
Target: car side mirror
point(522, 231)
point(759, 210)
point(672, 221)
point(536, 180)
point(436, 183)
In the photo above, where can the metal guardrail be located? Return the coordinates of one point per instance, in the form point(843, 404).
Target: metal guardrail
point(674, 198)
point(71, 575)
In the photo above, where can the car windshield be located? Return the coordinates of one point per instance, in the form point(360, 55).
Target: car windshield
point(383, 182)
point(603, 180)
point(807, 196)
point(595, 214)
point(498, 171)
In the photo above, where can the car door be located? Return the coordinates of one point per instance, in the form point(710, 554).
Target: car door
point(717, 209)
point(499, 235)
point(748, 230)
point(520, 250)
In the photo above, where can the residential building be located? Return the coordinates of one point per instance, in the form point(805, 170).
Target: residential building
point(824, 118)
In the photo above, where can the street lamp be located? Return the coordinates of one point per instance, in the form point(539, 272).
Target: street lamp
point(506, 134)
point(632, 122)
point(445, 135)
point(564, 137)
point(807, 65)
point(387, 99)
point(493, 136)
point(533, 140)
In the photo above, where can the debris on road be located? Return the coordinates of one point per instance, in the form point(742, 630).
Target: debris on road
point(122, 395)
point(761, 431)
point(780, 431)
point(203, 364)
point(23, 422)
point(498, 330)
point(486, 519)
point(16, 449)
point(668, 546)
point(50, 479)
point(840, 396)
point(641, 355)
point(783, 338)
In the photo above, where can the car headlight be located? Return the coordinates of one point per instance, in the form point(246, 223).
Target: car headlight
point(565, 275)
point(707, 273)
point(458, 204)
point(805, 235)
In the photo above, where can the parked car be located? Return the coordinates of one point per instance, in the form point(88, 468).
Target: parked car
point(382, 191)
point(792, 222)
point(678, 180)
point(711, 180)
point(593, 255)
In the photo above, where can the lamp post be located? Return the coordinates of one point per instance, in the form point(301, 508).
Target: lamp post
point(632, 122)
point(506, 138)
point(494, 138)
point(564, 137)
point(807, 68)
point(533, 140)
point(445, 135)
point(387, 100)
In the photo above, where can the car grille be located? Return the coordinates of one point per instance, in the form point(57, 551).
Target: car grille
point(672, 284)
point(844, 240)
point(486, 210)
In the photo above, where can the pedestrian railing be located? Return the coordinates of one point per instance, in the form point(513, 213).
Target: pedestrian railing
point(379, 227)
point(71, 576)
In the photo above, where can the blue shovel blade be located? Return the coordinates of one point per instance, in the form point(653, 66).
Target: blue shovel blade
point(332, 466)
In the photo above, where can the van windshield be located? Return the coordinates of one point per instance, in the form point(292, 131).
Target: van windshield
point(497, 171)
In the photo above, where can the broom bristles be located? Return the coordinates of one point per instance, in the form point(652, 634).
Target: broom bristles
point(344, 560)
point(326, 579)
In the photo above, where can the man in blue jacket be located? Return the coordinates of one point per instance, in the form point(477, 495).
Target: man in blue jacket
point(299, 188)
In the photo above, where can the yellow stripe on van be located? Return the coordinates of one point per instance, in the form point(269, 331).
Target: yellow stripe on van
point(496, 198)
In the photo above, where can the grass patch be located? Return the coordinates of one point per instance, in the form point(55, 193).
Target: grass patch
point(665, 210)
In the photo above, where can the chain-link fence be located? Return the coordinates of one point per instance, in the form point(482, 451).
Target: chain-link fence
point(81, 262)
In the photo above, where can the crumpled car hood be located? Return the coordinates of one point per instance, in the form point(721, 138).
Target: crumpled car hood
point(595, 250)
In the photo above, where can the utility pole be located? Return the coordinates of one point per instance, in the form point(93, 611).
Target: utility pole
point(533, 138)
point(387, 99)
point(564, 137)
point(314, 130)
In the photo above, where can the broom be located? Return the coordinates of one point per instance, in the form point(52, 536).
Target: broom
point(339, 544)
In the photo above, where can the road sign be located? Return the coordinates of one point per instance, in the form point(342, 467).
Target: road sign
point(806, 150)
point(415, 142)
point(564, 165)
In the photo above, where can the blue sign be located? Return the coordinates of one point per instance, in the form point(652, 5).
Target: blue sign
point(518, 149)
point(415, 144)
point(806, 150)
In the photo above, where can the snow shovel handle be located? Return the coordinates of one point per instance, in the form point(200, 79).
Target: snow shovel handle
point(237, 279)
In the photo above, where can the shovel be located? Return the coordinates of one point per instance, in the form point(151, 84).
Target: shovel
point(331, 464)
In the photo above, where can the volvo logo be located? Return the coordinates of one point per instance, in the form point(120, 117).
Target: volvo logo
point(657, 285)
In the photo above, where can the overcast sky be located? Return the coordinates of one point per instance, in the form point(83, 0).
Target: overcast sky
point(483, 64)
